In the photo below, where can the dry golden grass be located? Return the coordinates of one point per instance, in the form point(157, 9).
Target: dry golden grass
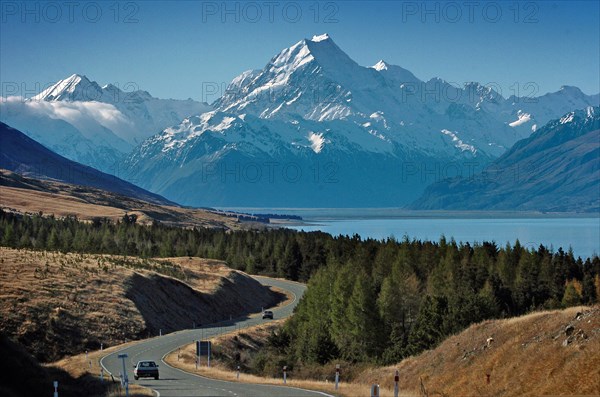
point(525, 358)
point(30, 196)
point(42, 293)
point(58, 304)
point(61, 205)
point(82, 364)
point(184, 359)
point(209, 272)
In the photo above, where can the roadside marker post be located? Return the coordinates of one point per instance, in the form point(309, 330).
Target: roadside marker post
point(124, 376)
point(208, 361)
point(396, 381)
point(285, 374)
point(375, 391)
point(337, 376)
point(160, 332)
point(101, 374)
point(55, 388)
point(238, 373)
point(101, 346)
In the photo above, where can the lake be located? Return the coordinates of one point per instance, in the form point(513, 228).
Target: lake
point(581, 232)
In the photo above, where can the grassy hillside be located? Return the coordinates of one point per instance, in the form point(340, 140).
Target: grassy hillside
point(540, 354)
point(544, 353)
point(28, 195)
point(23, 376)
point(60, 304)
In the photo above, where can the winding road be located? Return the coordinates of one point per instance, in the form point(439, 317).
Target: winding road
point(175, 382)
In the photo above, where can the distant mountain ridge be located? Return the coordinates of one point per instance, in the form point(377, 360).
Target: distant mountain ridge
point(355, 136)
point(311, 129)
point(23, 155)
point(94, 125)
point(556, 169)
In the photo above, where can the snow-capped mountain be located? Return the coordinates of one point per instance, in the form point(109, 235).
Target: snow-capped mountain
point(314, 128)
point(556, 169)
point(94, 125)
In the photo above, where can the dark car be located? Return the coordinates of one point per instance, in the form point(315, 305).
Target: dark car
point(145, 369)
point(267, 314)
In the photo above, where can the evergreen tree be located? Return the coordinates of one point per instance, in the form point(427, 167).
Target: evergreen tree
point(572, 296)
point(430, 326)
point(363, 323)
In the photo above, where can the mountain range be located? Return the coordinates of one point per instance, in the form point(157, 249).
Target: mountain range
point(556, 169)
point(310, 129)
point(24, 156)
point(97, 126)
point(313, 128)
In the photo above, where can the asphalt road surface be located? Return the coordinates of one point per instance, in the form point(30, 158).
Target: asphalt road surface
point(174, 382)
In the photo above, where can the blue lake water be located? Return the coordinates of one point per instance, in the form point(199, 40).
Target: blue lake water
point(581, 233)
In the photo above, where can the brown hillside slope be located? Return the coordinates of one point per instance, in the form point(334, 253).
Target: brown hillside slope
point(23, 376)
point(28, 195)
point(60, 304)
point(546, 353)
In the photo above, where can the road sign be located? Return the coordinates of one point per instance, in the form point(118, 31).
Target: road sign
point(203, 347)
point(124, 378)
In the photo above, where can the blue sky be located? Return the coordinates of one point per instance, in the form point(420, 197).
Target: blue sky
point(177, 49)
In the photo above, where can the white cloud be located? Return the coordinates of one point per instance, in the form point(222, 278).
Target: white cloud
point(90, 118)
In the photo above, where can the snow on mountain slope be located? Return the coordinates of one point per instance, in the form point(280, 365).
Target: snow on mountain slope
point(396, 75)
point(25, 156)
point(379, 132)
point(556, 169)
point(147, 115)
point(72, 129)
point(102, 124)
point(316, 80)
point(311, 128)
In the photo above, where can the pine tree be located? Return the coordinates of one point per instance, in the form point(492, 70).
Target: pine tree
point(571, 297)
point(53, 242)
point(363, 323)
point(342, 289)
point(430, 327)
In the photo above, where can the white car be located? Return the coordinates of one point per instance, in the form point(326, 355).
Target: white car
point(145, 369)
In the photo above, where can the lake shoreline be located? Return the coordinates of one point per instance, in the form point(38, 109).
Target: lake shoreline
point(580, 232)
point(316, 215)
